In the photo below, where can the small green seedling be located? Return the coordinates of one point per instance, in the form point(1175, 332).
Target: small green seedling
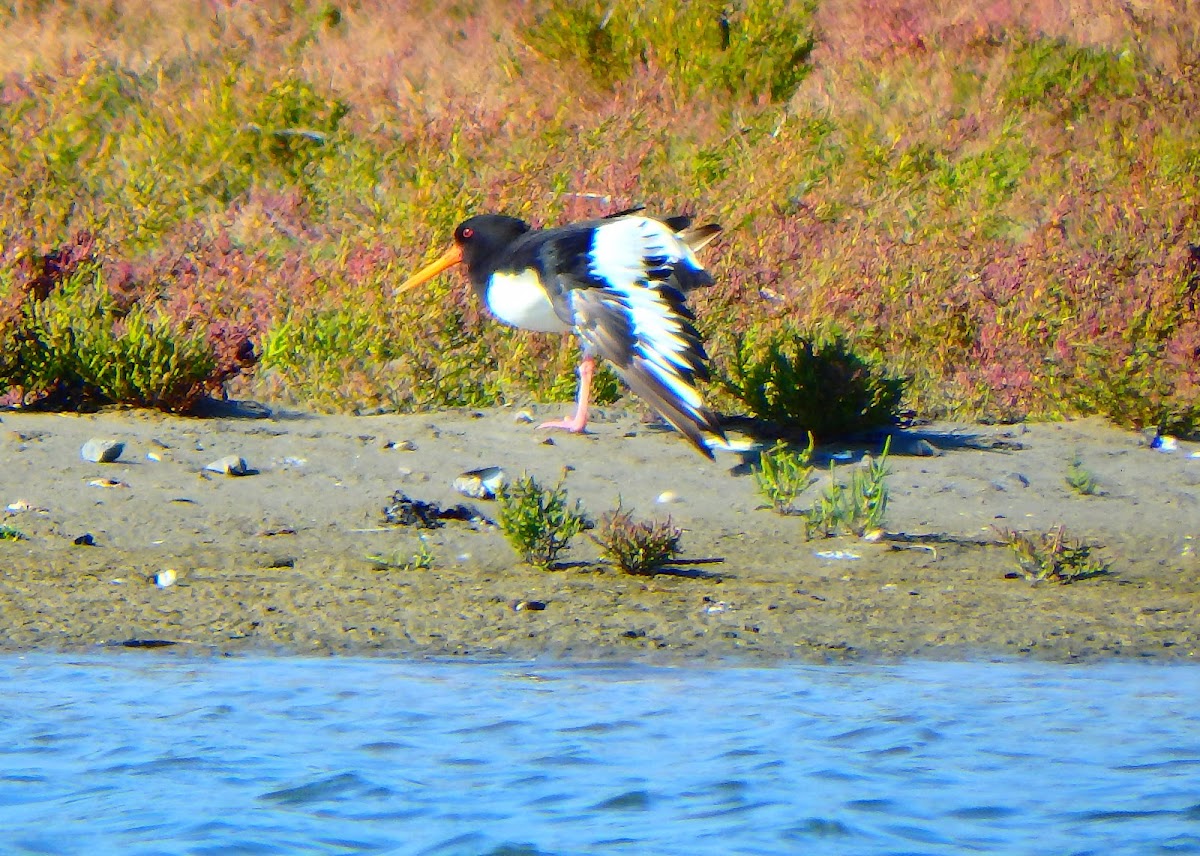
point(1052, 556)
point(1080, 479)
point(857, 508)
point(10, 533)
point(422, 560)
point(783, 474)
point(538, 522)
point(637, 546)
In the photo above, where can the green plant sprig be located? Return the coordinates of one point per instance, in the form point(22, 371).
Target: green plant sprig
point(784, 473)
point(11, 533)
point(422, 560)
point(857, 508)
point(1080, 479)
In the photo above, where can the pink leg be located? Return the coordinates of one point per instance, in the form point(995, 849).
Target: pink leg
point(578, 422)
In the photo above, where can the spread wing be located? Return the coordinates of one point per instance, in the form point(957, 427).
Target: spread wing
point(633, 314)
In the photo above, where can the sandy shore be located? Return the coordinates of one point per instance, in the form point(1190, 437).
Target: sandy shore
point(277, 560)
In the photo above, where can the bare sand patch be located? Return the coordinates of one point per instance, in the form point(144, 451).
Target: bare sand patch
point(277, 560)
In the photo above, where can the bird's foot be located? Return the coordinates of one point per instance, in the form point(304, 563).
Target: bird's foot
point(575, 425)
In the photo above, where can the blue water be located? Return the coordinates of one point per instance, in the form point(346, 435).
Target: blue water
point(145, 754)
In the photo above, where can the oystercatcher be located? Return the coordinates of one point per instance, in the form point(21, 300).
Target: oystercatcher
point(618, 283)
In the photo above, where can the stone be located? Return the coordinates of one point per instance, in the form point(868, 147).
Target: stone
point(101, 450)
point(230, 465)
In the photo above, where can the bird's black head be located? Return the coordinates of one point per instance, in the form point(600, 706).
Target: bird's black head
point(483, 240)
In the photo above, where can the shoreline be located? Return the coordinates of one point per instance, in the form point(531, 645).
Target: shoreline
point(277, 561)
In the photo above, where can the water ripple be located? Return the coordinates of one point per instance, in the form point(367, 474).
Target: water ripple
point(170, 755)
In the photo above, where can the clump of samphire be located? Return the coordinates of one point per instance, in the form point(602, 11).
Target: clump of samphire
point(1052, 556)
point(637, 546)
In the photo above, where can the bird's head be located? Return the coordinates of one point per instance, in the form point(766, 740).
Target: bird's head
point(477, 240)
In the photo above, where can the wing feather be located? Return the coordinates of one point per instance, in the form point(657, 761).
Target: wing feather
point(633, 313)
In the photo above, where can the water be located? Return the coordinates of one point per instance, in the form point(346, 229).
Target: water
point(143, 754)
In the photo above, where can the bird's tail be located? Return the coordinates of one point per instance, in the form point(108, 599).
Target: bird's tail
point(698, 238)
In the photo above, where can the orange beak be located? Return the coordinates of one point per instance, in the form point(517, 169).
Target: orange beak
point(448, 259)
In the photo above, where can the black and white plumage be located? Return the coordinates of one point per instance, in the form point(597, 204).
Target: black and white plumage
point(618, 283)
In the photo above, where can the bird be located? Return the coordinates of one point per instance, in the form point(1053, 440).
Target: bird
point(618, 283)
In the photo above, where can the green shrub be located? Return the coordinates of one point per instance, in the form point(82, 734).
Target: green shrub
point(1140, 391)
point(1056, 73)
point(761, 48)
point(538, 522)
point(814, 382)
point(76, 345)
point(293, 121)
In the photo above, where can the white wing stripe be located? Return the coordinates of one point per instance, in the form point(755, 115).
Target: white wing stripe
point(631, 255)
point(620, 248)
point(682, 390)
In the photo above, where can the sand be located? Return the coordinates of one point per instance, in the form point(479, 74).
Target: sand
point(280, 560)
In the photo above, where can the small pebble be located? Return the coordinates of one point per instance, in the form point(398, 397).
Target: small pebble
point(154, 456)
point(165, 579)
point(529, 605)
point(85, 540)
point(668, 497)
point(101, 450)
point(22, 506)
point(230, 465)
point(107, 483)
point(836, 554)
point(401, 445)
point(524, 416)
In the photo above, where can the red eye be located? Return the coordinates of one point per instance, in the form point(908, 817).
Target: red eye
point(468, 233)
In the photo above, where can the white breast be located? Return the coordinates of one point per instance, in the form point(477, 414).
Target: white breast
point(520, 301)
